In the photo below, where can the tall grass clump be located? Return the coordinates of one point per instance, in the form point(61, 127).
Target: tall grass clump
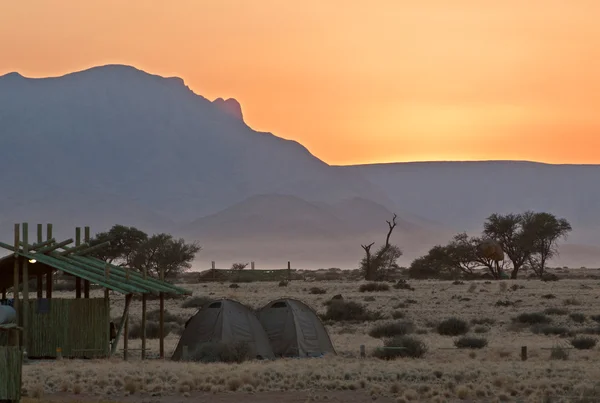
point(401, 347)
point(393, 329)
point(373, 287)
point(452, 327)
point(347, 311)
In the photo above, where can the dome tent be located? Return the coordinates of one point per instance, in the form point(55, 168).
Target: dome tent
point(228, 322)
point(294, 329)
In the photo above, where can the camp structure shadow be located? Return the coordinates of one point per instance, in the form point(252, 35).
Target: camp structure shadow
point(294, 329)
point(224, 321)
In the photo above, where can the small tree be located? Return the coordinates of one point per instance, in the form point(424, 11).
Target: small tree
point(124, 242)
point(377, 266)
point(163, 252)
point(545, 230)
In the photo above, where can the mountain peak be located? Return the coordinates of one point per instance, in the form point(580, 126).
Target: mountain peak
point(230, 106)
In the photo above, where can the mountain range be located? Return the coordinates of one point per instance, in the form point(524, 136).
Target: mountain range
point(113, 144)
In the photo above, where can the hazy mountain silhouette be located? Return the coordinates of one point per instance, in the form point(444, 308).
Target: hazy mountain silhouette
point(149, 141)
point(114, 144)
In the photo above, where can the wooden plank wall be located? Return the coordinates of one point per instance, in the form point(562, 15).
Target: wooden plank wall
point(11, 361)
point(80, 327)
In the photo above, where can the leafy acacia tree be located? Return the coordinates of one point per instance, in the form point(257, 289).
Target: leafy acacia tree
point(545, 230)
point(133, 248)
point(516, 242)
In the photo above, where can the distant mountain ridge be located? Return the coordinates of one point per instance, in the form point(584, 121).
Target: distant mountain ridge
point(113, 144)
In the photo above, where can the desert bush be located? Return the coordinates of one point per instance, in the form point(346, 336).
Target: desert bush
point(595, 318)
point(283, 283)
point(483, 321)
point(343, 311)
point(577, 317)
point(572, 301)
point(398, 315)
point(221, 352)
point(471, 342)
point(548, 330)
point(392, 329)
point(591, 330)
point(472, 287)
point(403, 285)
point(452, 327)
point(195, 302)
point(373, 287)
point(404, 347)
point(481, 329)
point(532, 318)
point(317, 291)
point(168, 317)
point(548, 296)
point(555, 311)
point(369, 298)
point(584, 342)
point(559, 353)
point(550, 277)
point(234, 285)
point(504, 303)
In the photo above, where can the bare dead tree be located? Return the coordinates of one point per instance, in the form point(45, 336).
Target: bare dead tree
point(370, 267)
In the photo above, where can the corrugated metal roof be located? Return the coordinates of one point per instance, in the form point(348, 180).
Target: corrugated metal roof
point(97, 271)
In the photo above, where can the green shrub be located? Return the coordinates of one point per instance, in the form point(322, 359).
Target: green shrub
point(470, 342)
point(221, 352)
point(595, 318)
point(555, 311)
point(577, 317)
point(373, 287)
point(403, 347)
point(398, 315)
point(533, 318)
point(195, 302)
point(452, 327)
point(559, 353)
point(548, 330)
point(548, 296)
point(393, 329)
point(283, 283)
point(584, 342)
point(343, 311)
point(317, 291)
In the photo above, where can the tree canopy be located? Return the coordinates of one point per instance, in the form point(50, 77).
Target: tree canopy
point(528, 240)
point(134, 248)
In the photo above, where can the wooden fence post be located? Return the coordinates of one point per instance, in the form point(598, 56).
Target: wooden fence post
point(363, 354)
point(524, 353)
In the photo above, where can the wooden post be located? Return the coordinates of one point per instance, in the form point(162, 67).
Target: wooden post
point(161, 318)
point(214, 272)
point(121, 325)
point(289, 271)
point(523, 353)
point(49, 279)
point(107, 276)
point(126, 337)
point(252, 265)
point(144, 318)
point(86, 283)
point(25, 286)
point(16, 274)
point(77, 279)
point(40, 286)
point(363, 354)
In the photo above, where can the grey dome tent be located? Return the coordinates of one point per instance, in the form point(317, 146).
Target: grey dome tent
point(228, 322)
point(294, 329)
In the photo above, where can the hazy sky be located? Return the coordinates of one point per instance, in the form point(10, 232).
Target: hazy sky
point(354, 81)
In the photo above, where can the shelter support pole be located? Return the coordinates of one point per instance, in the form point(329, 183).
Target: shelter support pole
point(289, 271)
point(16, 273)
point(49, 279)
point(144, 296)
point(25, 309)
point(86, 283)
point(39, 277)
point(126, 338)
point(4, 293)
point(162, 317)
point(77, 279)
point(113, 349)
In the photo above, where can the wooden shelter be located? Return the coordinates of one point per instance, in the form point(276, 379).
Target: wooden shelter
point(72, 327)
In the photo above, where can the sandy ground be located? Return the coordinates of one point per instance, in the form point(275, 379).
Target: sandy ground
point(445, 374)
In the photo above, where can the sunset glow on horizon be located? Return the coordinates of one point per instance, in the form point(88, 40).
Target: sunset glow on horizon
point(355, 82)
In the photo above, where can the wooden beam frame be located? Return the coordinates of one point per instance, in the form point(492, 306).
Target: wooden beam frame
point(77, 245)
point(39, 276)
point(86, 283)
point(128, 299)
point(49, 275)
point(25, 264)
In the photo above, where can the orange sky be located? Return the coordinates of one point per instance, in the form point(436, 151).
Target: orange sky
point(354, 81)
